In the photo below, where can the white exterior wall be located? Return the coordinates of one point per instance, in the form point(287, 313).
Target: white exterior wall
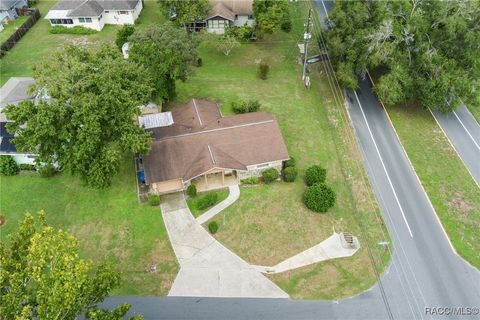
point(20, 158)
point(95, 24)
point(114, 17)
point(241, 20)
point(255, 171)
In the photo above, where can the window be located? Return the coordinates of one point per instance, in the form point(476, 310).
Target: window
point(106, 11)
point(250, 17)
point(123, 12)
point(88, 20)
point(85, 20)
point(263, 165)
point(61, 21)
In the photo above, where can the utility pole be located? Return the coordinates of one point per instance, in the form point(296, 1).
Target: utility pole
point(306, 38)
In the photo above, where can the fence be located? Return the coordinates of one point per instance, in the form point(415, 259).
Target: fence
point(34, 15)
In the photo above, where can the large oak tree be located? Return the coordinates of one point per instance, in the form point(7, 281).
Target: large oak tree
point(89, 120)
point(428, 50)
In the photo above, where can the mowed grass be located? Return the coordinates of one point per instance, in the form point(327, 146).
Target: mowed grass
point(38, 42)
point(269, 223)
point(109, 224)
point(192, 202)
point(451, 189)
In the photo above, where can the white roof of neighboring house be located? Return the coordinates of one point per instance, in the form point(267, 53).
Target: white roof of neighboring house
point(89, 8)
point(156, 120)
point(57, 14)
point(15, 90)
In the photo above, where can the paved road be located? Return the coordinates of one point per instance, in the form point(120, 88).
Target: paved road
point(424, 273)
point(464, 132)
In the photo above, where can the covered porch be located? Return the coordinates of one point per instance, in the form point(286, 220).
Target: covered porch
point(215, 179)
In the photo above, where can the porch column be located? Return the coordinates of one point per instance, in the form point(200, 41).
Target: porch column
point(206, 181)
point(223, 177)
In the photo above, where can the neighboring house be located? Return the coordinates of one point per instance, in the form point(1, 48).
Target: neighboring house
point(8, 9)
point(229, 13)
point(195, 144)
point(13, 91)
point(94, 14)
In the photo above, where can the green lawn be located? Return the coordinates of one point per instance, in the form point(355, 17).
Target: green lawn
point(109, 224)
point(38, 42)
point(193, 202)
point(11, 28)
point(269, 222)
point(453, 192)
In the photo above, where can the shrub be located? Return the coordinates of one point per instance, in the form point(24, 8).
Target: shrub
point(199, 62)
point(8, 166)
point(213, 227)
point(26, 167)
point(289, 174)
point(286, 25)
point(153, 200)
point(251, 180)
point(319, 197)
point(191, 190)
point(263, 70)
point(289, 163)
point(269, 175)
point(207, 200)
point(74, 30)
point(123, 34)
point(47, 171)
point(315, 174)
point(243, 33)
point(244, 106)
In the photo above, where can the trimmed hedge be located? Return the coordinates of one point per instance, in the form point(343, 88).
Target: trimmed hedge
point(74, 30)
point(251, 180)
point(213, 227)
point(270, 175)
point(319, 197)
point(153, 200)
point(315, 174)
point(290, 174)
point(207, 200)
point(244, 106)
point(8, 166)
point(192, 190)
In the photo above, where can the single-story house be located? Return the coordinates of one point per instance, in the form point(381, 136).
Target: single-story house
point(94, 14)
point(196, 144)
point(228, 13)
point(8, 9)
point(14, 91)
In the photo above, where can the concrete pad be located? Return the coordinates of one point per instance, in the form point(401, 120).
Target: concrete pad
point(234, 194)
point(207, 268)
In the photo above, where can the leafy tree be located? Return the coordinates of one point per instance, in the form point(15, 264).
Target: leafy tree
point(88, 123)
point(122, 35)
point(8, 166)
point(44, 278)
point(426, 50)
point(187, 11)
point(272, 15)
point(167, 52)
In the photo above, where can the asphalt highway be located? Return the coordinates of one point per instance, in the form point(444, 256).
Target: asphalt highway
point(463, 132)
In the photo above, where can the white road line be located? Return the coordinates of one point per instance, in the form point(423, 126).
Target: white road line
point(325, 8)
point(383, 165)
point(468, 132)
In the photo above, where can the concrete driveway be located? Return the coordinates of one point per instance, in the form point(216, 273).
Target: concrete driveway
point(207, 268)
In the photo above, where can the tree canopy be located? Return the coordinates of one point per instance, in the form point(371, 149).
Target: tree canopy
point(95, 95)
point(167, 52)
point(42, 276)
point(272, 15)
point(187, 11)
point(427, 50)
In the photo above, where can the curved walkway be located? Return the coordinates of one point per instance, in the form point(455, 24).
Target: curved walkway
point(233, 195)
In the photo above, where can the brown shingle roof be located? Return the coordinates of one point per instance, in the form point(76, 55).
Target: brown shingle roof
point(229, 8)
point(188, 149)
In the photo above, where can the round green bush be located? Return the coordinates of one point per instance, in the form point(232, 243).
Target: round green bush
point(289, 163)
point(192, 191)
point(153, 200)
point(290, 174)
point(8, 166)
point(319, 197)
point(213, 227)
point(47, 171)
point(315, 174)
point(270, 175)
